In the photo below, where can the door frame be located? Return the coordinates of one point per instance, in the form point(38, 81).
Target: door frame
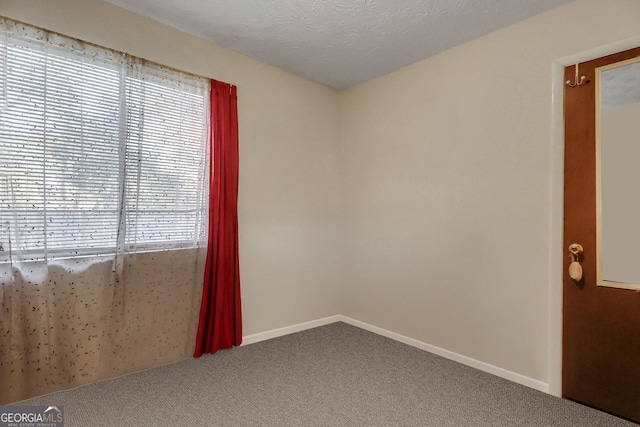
point(556, 205)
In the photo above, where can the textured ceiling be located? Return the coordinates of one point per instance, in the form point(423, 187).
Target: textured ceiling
point(339, 43)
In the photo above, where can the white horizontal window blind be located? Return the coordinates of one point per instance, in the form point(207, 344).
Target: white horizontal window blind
point(98, 152)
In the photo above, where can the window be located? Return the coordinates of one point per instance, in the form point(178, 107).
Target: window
point(98, 151)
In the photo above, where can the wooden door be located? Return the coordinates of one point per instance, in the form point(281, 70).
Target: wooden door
point(601, 325)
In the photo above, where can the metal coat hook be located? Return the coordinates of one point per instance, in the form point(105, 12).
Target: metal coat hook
point(575, 81)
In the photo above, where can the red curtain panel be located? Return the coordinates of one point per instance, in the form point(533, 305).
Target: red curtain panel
point(220, 324)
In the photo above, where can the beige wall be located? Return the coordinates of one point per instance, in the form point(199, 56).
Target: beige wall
point(438, 185)
point(452, 189)
point(287, 201)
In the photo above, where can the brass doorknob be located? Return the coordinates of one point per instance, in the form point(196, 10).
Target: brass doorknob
point(575, 269)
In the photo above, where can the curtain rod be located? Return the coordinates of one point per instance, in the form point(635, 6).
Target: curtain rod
point(119, 52)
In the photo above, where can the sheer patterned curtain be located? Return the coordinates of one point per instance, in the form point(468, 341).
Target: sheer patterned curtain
point(103, 161)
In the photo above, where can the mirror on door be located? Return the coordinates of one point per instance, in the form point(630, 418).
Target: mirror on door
point(618, 174)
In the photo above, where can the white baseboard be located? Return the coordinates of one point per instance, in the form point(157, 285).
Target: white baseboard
point(482, 366)
point(274, 333)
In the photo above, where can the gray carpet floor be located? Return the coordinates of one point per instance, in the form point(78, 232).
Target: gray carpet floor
point(335, 375)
